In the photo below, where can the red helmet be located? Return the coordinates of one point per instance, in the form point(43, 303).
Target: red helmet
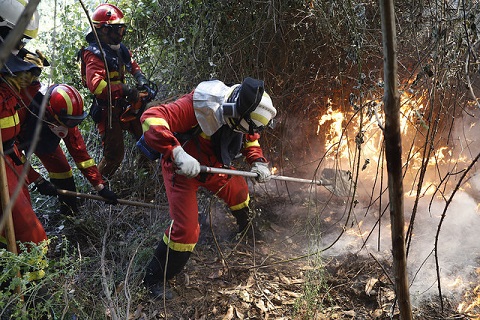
point(106, 14)
point(66, 105)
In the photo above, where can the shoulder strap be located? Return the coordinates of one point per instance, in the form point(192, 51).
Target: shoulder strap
point(83, 72)
point(184, 137)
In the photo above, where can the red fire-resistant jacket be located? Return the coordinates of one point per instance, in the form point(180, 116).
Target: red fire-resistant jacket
point(26, 224)
point(96, 75)
point(53, 157)
point(161, 122)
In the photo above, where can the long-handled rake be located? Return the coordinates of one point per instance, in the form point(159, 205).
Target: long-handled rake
point(335, 181)
point(95, 197)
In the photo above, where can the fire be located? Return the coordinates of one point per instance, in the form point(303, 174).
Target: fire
point(357, 135)
point(473, 304)
point(367, 124)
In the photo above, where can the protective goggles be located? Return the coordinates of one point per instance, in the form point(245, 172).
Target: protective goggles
point(71, 121)
point(117, 28)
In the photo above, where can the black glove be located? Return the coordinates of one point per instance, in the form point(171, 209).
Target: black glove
point(46, 188)
point(109, 195)
point(130, 93)
point(141, 79)
point(150, 92)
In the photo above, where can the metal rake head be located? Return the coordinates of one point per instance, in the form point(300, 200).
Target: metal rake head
point(337, 181)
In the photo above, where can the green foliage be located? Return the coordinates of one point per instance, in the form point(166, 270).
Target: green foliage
point(31, 284)
point(315, 291)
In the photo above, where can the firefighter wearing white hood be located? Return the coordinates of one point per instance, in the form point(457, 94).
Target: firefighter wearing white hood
point(209, 126)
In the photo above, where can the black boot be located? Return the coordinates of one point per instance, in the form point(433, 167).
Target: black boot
point(68, 205)
point(155, 273)
point(243, 219)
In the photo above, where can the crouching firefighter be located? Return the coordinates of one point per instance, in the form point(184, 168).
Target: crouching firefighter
point(63, 113)
point(221, 121)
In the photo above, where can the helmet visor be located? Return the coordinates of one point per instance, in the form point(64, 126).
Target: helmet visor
point(119, 29)
point(72, 121)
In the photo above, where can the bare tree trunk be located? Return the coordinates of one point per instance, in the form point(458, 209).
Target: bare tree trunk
point(393, 150)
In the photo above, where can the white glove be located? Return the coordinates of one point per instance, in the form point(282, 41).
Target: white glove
point(187, 165)
point(262, 171)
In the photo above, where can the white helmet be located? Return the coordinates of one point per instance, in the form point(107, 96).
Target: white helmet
point(248, 109)
point(10, 12)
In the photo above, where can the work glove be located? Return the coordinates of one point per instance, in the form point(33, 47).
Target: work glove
point(141, 79)
point(187, 165)
point(109, 195)
point(37, 59)
point(147, 92)
point(130, 93)
point(262, 171)
point(20, 80)
point(45, 187)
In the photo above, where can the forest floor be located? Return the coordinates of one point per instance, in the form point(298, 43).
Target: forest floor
point(278, 273)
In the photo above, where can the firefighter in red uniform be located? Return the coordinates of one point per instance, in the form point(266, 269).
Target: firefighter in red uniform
point(110, 27)
point(18, 84)
point(63, 113)
point(208, 127)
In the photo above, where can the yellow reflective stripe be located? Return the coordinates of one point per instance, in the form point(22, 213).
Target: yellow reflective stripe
point(204, 136)
point(99, 89)
point(85, 164)
point(67, 99)
point(242, 205)
point(154, 122)
point(251, 144)
point(259, 118)
point(61, 175)
point(103, 83)
point(182, 247)
point(9, 122)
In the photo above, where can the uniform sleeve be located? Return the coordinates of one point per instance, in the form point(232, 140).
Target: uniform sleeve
point(252, 150)
point(160, 122)
point(9, 117)
point(27, 94)
point(96, 75)
point(32, 176)
point(78, 150)
point(135, 67)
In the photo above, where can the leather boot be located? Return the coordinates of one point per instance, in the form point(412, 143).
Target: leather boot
point(243, 219)
point(155, 273)
point(68, 205)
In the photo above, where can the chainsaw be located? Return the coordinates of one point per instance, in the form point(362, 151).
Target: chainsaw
point(146, 93)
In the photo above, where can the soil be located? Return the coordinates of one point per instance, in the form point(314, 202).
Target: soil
point(277, 276)
point(278, 271)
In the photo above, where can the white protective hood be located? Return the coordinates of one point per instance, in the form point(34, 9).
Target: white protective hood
point(208, 98)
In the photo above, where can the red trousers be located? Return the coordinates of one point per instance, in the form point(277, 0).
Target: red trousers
point(182, 199)
point(112, 139)
point(56, 163)
point(27, 226)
